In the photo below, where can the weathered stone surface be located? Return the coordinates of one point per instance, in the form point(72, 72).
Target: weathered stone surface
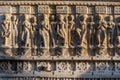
point(59, 40)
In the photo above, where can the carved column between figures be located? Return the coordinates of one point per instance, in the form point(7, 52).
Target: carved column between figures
point(59, 40)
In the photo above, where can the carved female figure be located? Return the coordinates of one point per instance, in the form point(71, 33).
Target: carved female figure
point(90, 29)
point(61, 31)
point(45, 27)
point(14, 30)
point(6, 30)
point(82, 30)
point(33, 31)
point(26, 31)
point(71, 28)
point(118, 35)
point(100, 30)
point(110, 30)
point(53, 30)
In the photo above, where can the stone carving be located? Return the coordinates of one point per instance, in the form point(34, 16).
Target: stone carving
point(43, 9)
point(100, 31)
point(61, 31)
point(6, 30)
point(117, 9)
point(82, 30)
point(62, 9)
point(25, 9)
point(71, 28)
point(62, 66)
point(34, 28)
point(20, 66)
point(5, 9)
point(110, 31)
point(14, 28)
point(27, 66)
point(26, 31)
point(43, 66)
point(82, 9)
point(45, 27)
point(101, 9)
point(101, 66)
point(82, 66)
point(3, 66)
point(50, 31)
point(90, 29)
point(118, 35)
point(53, 31)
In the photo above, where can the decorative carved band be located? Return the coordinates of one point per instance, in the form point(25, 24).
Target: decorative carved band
point(51, 39)
point(100, 3)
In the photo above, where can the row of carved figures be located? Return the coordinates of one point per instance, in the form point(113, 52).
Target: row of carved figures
point(68, 32)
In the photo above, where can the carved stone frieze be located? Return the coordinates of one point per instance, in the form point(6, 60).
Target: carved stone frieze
point(59, 39)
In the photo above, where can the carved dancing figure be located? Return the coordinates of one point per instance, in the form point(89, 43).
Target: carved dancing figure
point(61, 31)
point(53, 31)
point(45, 27)
point(110, 31)
point(100, 31)
point(82, 30)
point(90, 29)
point(34, 31)
point(6, 30)
point(71, 28)
point(26, 32)
point(118, 35)
point(14, 30)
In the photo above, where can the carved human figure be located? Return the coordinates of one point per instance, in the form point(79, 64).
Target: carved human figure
point(14, 30)
point(45, 27)
point(26, 32)
point(53, 31)
point(71, 28)
point(82, 30)
point(61, 31)
point(34, 31)
point(90, 28)
point(100, 31)
point(110, 31)
point(118, 35)
point(6, 30)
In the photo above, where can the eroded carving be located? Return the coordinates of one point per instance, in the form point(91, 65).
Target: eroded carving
point(100, 29)
point(6, 30)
